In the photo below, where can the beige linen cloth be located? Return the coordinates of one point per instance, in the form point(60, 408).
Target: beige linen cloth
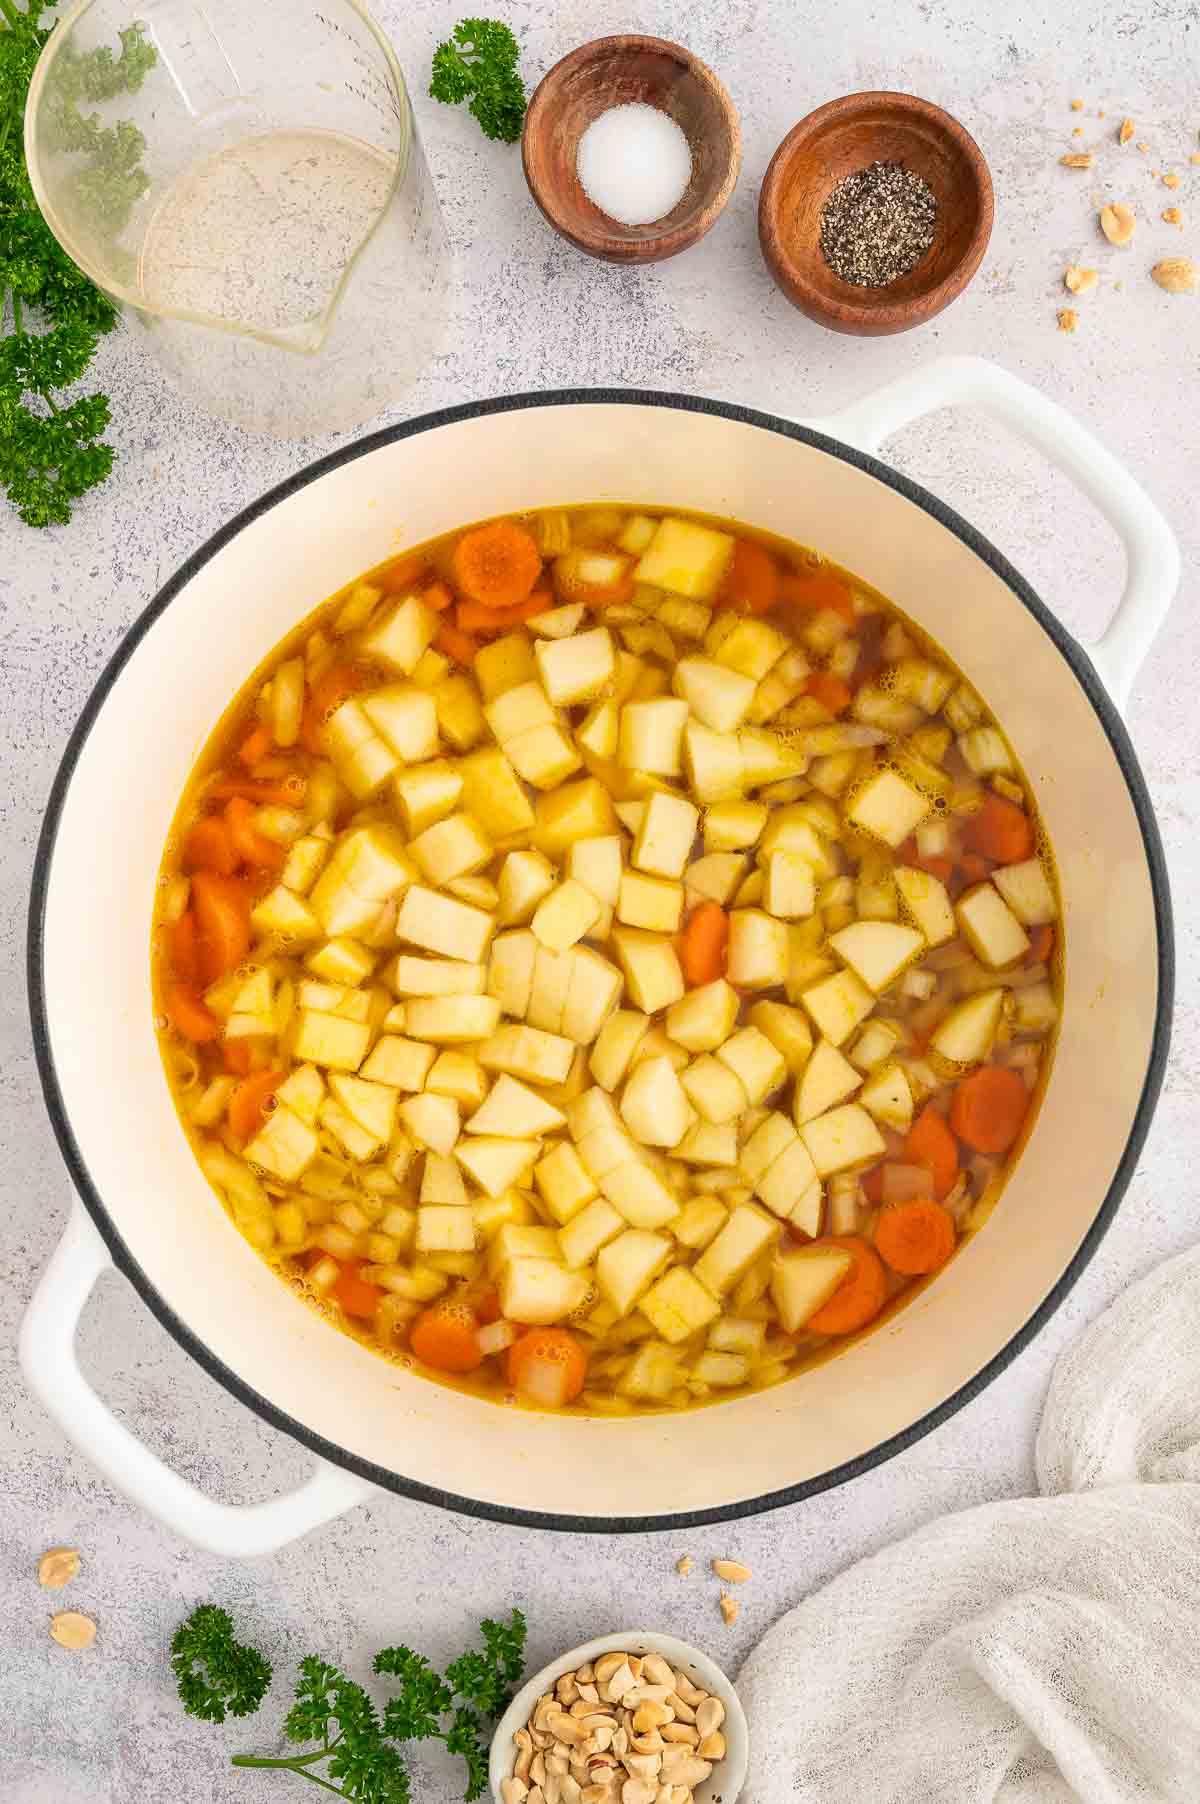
point(1030, 1652)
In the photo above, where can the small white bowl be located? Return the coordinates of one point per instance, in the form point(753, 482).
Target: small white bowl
point(728, 1775)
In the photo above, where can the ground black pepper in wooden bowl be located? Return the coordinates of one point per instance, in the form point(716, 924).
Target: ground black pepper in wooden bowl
point(877, 224)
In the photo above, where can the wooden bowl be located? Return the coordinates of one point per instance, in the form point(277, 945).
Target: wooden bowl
point(844, 136)
point(613, 72)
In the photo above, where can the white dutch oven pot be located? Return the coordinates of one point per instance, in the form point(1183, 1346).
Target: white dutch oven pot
point(143, 1202)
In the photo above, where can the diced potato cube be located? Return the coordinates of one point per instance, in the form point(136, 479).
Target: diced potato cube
point(599, 732)
point(564, 1183)
point(640, 1195)
point(493, 793)
point(679, 1306)
point(521, 1240)
point(364, 761)
point(713, 1089)
point(828, 1079)
point(305, 859)
point(431, 669)
point(593, 992)
point(769, 1141)
point(651, 736)
point(758, 950)
point(539, 1291)
point(576, 669)
point(406, 718)
point(716, 770)
point(746, 1235)
point(652, 1374)
point(504, 664)
point(427, 794)
point(565, 916)
point(842, 1138)
point(627, 1266)
point(1027, 891)
point(404, 634)
point(459, 712)
point(459, 1075)
point(285, 1145)
point(665, 835)
point(686, 558)
point(442, 1228)
point(766, 758)
point(372, 1105)
point(733, 826)
point(706, 1144)
point(432, 1121)
point(790, 829)
point(514, 1112)
point(758, 1065)
point(286, 914)
point(330, 1040)
point(838, 1004)
point(653, 1106)
point(440, 924)
point(877, 951)
point(581, 810)
point(413, 976)
point(539, 1058)
point(787, 1030)
point(875, 1044)
point(787, 1180)
point(651, 968)
point(350, 1134)
point(497, 1165)
point(888, 1096)
point(602, 1149)
point(985, 751)
point(966, 1035)
point(650, 903)
point(615, 1046)
point(510, 971)
point(548, 992)
point(990, 928)
point(1034, 1008)
point(752, 648)
point(525, 878)
point(402, 1063)
point(926, 900)
point(342, 961)
point(452, 1020)
point(582, 1238)
point(454, 847)
point(790, 888)
point(718, 697)
point(699, 1222)
point(544, 756)
point(802, 1281)
point(887, 807)
point(558, 623)
point(302, 1092)
point(703, 1019)
point(441, 1182)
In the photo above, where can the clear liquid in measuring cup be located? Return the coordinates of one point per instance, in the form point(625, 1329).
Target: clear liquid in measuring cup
point(261, 233)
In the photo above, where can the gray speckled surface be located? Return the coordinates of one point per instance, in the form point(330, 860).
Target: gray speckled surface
point(103, 1726)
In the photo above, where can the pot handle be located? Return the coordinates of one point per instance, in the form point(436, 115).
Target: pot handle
point(1151, 553)
point(47, 1351)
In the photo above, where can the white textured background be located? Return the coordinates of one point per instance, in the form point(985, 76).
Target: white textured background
point(104, 1726)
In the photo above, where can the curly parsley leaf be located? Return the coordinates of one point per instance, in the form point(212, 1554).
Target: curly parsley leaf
point(479, 61)
point(217, 1675)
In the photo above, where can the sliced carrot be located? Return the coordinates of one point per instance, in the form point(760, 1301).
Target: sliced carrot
point(989, 1108)
point(238, 1056)
point(288, 792)
point(1000, 831)
point(446, 1337)
point(403, 573)
point(547, 1366)
point(860, 1295)
point(497, 564)
point(222, 907)
point(702, 944)
point(473, 617)
point(941, 868)
point(250, 845)
point(456, 644)
point(354, 1294)
point(248, 1104)
point(751, 583)
point(188, 1015)
point(438, 597)
point(872, 1185)
point(326, 696)
point(915, 1237)
point(256, 744)
point(974, 868)
point(817, 591)
point(1041, 946)
point(830, 691)
point(182, 949)
point(931, 1143)
point(207, 846)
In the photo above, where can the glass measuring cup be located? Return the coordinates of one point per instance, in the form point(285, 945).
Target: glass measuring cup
point(246, 179)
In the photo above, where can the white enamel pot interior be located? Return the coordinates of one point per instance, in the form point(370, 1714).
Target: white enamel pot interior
point(155, 707)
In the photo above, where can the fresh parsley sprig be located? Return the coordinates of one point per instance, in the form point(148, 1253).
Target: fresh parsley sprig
point(357, 1747)
point(479, 60)
point(50, 452)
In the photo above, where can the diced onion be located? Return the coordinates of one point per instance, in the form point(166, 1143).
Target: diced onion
point(213, 1100)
